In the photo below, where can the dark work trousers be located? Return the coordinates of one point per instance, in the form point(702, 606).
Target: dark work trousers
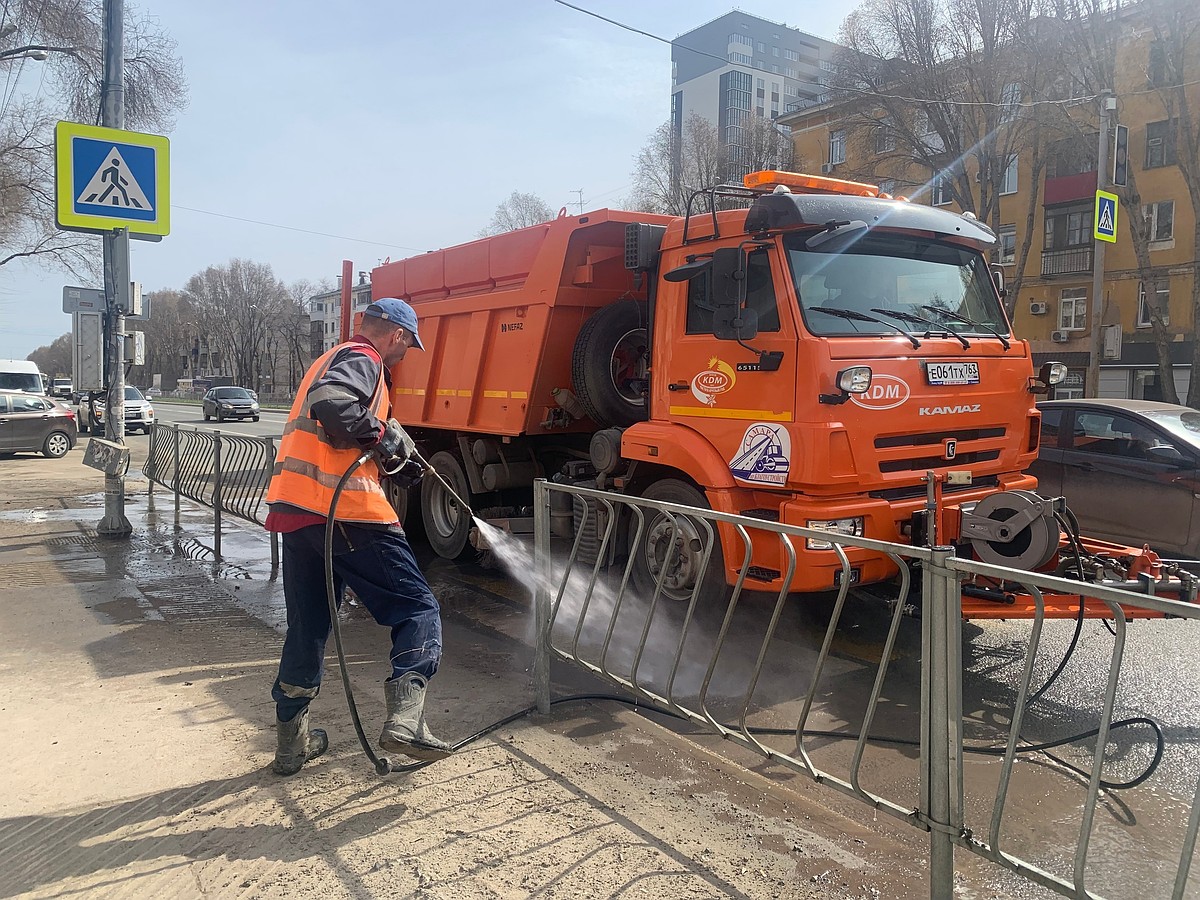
point(378, 565)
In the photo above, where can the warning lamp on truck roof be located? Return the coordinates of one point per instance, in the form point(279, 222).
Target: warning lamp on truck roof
point(808, 183)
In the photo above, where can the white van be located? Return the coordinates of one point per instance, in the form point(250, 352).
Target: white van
point(21, 375)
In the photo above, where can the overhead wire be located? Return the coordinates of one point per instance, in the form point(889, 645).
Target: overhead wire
point(340, 237)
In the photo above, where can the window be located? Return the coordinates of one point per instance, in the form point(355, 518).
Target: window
point(760, 297)
point(791, 54)
point(790, 72)
point(1010, 98)
point(1161, 219)
point(760, 84)
point(762, 48)
point(940, 192)
point(1068, 228)
point(742, 39)
point(1160, 144)
point(775, 51)
point(741, 58)
point(1051, 423)
point(1156, 70)
point(924, 128)
point(885, 135)
point(1008, 181)
point(1114, 435)
point(1162, 301)
point(1007, 252)
point(1072, 309)
point(837, 147)
point(27, 404)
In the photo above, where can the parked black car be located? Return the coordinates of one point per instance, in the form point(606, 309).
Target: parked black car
point(1130, 469)
point(30, 422)
point(229, 403)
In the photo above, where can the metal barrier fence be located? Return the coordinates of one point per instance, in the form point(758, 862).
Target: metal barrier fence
point(225, 472)
point(676, 656)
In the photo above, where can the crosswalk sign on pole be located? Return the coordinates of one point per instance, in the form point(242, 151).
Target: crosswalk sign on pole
point(1106, 217)
point(107, 178)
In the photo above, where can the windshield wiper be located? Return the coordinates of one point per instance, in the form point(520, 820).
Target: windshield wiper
point(863, 317)
point(956, 317)
point(913, 317)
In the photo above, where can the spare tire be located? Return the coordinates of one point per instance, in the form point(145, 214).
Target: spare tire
point(610, 365)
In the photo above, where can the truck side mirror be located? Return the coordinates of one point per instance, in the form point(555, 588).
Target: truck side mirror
point(735, 324)
point(729, 277)
point(998, 278)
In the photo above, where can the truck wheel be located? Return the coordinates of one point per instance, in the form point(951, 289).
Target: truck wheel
point(447, 524)
point(609, 365)
point(683, 556)
point(398, 497)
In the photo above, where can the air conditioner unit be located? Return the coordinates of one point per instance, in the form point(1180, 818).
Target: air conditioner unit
point(826, 168)
point(1060, 337)
point(1038, 308)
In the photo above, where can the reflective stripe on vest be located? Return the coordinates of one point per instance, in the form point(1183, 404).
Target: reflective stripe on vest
point(308, 466)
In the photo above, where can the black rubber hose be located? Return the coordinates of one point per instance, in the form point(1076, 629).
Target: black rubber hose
point(382, 764)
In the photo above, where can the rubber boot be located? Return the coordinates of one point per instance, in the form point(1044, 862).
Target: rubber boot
point(405, 730)
point(296, 744)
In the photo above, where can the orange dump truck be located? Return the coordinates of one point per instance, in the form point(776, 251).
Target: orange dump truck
point(806, 358)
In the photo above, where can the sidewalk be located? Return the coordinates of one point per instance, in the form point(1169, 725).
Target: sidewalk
point(134, 686)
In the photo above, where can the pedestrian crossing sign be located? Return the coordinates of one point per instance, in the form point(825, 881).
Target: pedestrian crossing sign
point(1106, 217)
point(106, 178)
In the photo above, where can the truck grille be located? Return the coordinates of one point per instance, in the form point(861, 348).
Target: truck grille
point(922, 463)
point(936, 437)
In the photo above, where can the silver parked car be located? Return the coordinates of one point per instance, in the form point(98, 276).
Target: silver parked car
point(1130, 469)
point(32, 423)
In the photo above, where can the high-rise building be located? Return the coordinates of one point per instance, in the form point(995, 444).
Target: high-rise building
point(739, 65)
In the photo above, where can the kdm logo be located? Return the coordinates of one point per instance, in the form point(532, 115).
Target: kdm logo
point(716, 379)
point(885, 392)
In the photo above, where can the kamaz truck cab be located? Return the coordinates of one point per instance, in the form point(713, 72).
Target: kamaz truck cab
point(815, 356)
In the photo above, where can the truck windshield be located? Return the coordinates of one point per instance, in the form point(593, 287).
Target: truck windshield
point(895, 272)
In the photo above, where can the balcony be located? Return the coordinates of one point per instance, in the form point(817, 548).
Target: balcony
point(1068, 188)
point(1067, 261)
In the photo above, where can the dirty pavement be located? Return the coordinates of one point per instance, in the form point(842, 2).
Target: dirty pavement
point(134, 688)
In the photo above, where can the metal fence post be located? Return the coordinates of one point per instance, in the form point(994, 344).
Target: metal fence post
point(175, 433)
point(152, 465)
point(939, 703)
point(541, 594)
point(274, 534)
point(217, 495)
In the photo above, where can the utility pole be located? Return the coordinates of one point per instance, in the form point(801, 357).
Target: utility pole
point(580, 200)
point(1108, 106)
point(116, 274)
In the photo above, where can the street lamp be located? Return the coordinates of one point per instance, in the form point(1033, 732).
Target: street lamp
point(35, 51)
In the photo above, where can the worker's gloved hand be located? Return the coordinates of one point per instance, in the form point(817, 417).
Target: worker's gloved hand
point(408, 474)
point(395, 444)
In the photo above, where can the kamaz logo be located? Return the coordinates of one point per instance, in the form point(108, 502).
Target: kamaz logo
point(947, 410)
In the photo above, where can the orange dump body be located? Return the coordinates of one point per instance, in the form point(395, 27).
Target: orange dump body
point(499, 317)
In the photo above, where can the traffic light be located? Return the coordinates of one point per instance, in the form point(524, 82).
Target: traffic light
point(1121, 157)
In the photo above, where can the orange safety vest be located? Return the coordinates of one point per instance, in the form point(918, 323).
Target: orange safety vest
point(308, 467)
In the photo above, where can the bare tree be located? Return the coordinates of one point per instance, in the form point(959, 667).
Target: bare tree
point(518, 211)
point(237, 308)
point(668, 171)
point(54, 358)
point(69, 31)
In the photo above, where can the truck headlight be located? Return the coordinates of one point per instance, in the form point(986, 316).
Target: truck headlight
point(849, 527)
point(855, 380)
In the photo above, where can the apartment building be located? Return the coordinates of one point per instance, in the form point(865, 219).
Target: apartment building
point(326, 312)
point(739, 65)
point(1054, 212)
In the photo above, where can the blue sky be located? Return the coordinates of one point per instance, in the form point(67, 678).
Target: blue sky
point(401, 125)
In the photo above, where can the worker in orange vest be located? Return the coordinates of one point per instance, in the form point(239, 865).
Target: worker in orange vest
point(342, 408)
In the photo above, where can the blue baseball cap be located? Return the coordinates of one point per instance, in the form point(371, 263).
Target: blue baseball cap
point(399, 312)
